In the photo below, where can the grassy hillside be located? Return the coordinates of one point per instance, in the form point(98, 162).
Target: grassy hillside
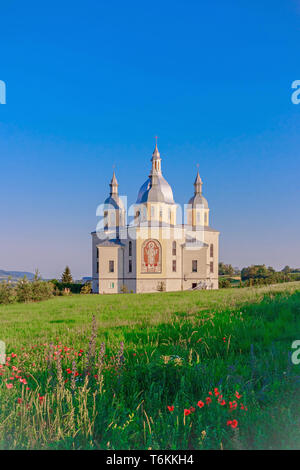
point(228, 349)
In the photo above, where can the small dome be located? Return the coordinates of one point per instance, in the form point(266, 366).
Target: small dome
point(198, 200)
point(114, 202)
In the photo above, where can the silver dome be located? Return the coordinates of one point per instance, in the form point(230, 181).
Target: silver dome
point(113, 202)
point(198, 200)
point(164, 193)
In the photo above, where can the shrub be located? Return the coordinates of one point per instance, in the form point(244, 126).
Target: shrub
point(24, 290)
point(41, 290)
point(224, 283)
point(124, 289)
point(75, 288)
point(7, 292)
point(86, 289)
point(161, 286)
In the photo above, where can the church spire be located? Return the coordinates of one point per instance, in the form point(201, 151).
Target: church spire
point(198, 184)
point(156, 161)
point(113, 185)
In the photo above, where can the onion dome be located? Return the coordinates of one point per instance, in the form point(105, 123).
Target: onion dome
point(198, 199)
point(114, 200)
point(156, 188)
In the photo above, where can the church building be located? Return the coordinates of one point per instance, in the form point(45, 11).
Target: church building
point(163, 247)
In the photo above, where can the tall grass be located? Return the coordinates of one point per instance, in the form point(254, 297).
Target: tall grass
point(134, 376)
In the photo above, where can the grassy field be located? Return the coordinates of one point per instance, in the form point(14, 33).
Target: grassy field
point(184, 370)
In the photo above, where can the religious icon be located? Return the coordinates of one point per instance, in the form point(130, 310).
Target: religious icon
point(151, 257)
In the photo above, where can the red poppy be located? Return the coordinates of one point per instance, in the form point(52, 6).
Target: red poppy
point(187, 412)
point(232, 405)
point(171, 408)
point(208, 400)
point(238, 396)
point(200, 404)
point(232, 423)
point(192, 409)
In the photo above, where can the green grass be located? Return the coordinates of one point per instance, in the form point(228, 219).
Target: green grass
point(178, 347)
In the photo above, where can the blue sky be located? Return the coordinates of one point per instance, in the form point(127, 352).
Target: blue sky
point(89, 85)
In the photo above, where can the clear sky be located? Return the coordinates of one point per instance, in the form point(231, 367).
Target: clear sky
point(89, 85)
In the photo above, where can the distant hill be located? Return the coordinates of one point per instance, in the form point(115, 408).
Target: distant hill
point(15, 275)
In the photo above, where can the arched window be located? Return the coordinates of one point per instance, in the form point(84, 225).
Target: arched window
point(130, 248)
point(211, 250)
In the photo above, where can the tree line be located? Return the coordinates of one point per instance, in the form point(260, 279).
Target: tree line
point(36, 290)
point(256, 275)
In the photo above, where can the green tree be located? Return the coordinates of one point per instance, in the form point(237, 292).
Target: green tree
point(66, 277)
point(259, 271)
point(286, 270)
point(7, 292)
point(41, 290)
point(225, 269)
point(24, 290)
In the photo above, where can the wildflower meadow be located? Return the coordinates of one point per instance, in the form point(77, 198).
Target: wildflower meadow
point(184, 370)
